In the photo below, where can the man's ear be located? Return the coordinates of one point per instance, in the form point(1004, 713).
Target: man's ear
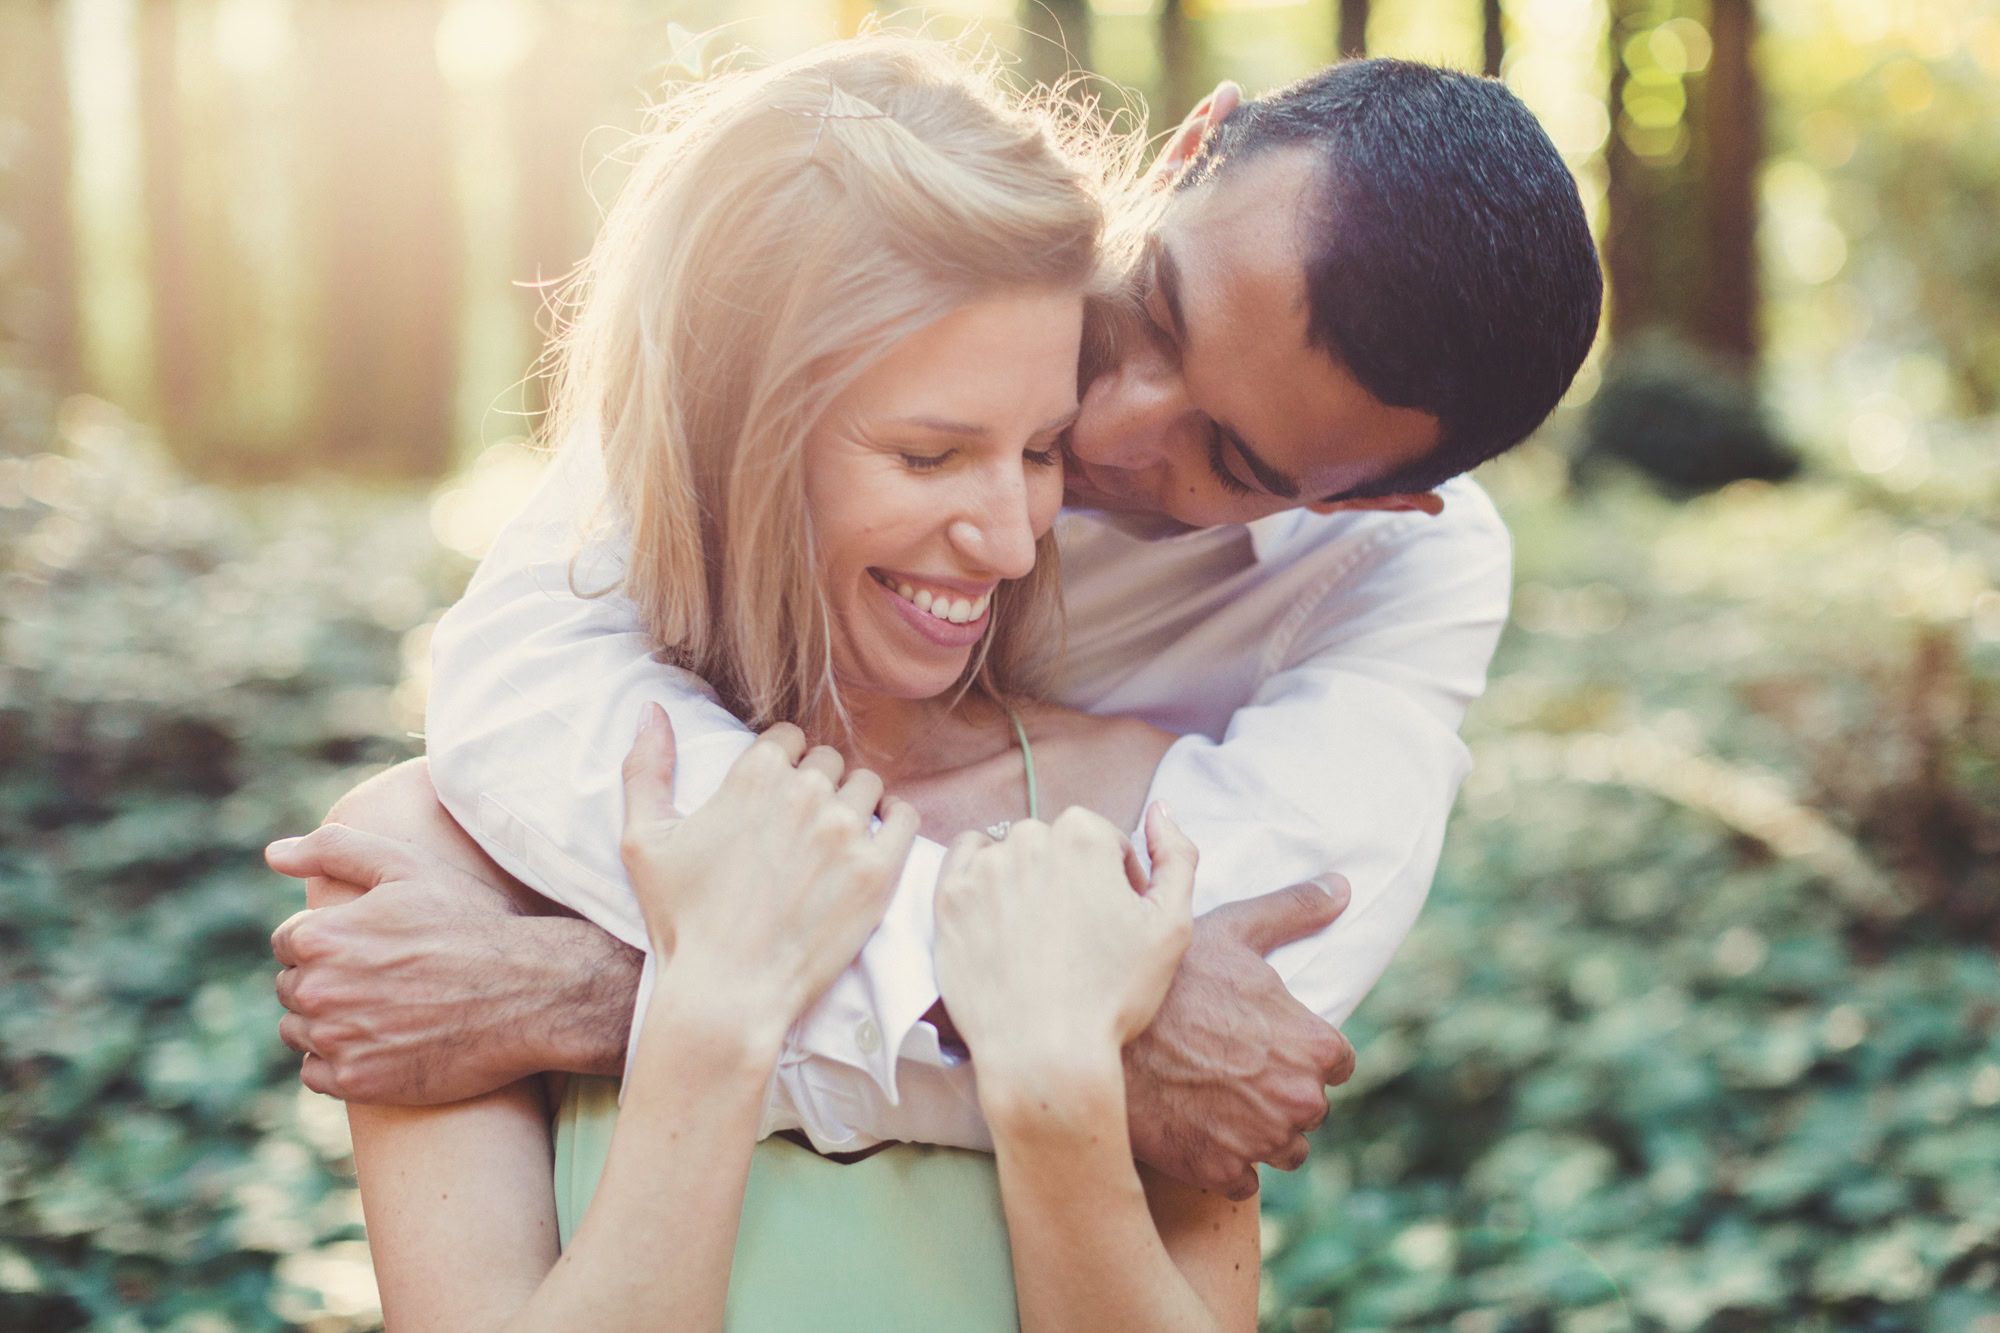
point(1429, 502)
point(1210, 111)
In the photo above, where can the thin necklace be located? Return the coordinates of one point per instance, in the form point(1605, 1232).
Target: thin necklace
point(999, 830)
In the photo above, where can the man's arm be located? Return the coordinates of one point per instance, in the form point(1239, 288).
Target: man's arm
point(1346, 757)
point(421, 973)
point(520, 745)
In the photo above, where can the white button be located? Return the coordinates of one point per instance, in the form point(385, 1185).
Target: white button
point(868, 1037)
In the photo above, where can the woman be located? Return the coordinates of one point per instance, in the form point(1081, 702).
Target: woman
point(829, 340)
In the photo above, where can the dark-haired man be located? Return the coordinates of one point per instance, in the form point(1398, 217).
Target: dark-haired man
point(1362, 285)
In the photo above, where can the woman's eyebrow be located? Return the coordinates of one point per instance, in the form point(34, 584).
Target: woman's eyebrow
point(942, 425)
point(1061, 423)
point(946, 426)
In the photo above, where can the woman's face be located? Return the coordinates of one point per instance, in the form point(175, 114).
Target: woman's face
point(931, 477)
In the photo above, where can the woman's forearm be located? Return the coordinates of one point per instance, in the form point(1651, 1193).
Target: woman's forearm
point(1088, 1250)
point(654, 1249)
point(460, 1199)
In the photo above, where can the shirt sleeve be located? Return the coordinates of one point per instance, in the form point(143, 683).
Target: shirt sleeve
point(536, 689)
point(1347, 757)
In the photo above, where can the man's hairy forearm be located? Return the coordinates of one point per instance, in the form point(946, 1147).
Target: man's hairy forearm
point(582, 1016)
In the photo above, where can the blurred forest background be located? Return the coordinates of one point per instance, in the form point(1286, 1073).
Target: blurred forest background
point(1701, 1029)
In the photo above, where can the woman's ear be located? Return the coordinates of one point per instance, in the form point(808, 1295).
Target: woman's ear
point(1212, 110)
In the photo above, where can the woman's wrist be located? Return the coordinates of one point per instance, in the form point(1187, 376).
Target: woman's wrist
point(1051, 1090)
point(729, 1024)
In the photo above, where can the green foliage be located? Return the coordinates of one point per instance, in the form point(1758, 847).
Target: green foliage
point(1701, 1027)
point(183, 676)
point(1682, 420)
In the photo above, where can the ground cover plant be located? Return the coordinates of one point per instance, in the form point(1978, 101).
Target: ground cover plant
point(1701, 1029)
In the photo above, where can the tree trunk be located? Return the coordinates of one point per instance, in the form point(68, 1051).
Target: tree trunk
point(1057, 39)
point(554, 101)
point(386, 235)
point(176, 362)
point(1180, 74)
point(1353, 28)
point(38, 288)
point(1491, 26)
point(1729, 325)
point(1629, 200)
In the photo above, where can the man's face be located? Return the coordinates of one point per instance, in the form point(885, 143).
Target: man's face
point(1219, 411)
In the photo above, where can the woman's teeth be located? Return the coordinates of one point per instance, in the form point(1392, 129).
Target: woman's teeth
point(957, 610)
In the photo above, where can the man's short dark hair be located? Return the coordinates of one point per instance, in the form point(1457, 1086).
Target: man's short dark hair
point(1449, 266)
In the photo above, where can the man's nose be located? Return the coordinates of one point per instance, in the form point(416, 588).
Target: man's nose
point(1129, 415)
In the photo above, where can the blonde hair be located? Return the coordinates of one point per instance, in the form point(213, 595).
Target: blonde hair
point(781, 230)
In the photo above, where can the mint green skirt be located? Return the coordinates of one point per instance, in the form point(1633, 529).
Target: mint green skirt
point(912, 1238)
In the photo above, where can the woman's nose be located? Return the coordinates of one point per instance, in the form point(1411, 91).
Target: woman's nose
point(995, 531)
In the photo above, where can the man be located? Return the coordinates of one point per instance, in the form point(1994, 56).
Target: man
point(1360, 287)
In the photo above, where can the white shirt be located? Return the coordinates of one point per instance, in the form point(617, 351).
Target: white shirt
point(1318, 667)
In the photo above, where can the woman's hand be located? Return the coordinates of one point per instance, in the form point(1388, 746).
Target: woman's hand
point(765, 893)
point(1052, 952)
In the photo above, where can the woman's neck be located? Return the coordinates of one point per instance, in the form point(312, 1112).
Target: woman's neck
point(903, 739)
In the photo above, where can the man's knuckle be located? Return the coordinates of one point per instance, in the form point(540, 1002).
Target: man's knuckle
point(311, 996)
point(309, 940)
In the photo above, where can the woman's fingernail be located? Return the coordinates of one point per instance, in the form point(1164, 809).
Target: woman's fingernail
point(281, 846)
point(651, 716)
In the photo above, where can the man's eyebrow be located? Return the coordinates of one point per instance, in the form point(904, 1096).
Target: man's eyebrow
point(1274, 481)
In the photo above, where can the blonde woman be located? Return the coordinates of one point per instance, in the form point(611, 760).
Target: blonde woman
point(829, 340)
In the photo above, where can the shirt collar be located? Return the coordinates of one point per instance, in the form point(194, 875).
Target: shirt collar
point(1267, 535)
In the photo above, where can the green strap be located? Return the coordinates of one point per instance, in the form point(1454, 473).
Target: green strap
point(1027, 762)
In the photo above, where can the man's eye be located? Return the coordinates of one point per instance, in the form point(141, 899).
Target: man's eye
point(1219, 465)
point(925, 462)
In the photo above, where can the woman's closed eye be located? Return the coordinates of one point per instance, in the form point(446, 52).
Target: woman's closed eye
point(926, 462)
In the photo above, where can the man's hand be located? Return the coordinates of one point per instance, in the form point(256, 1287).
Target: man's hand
point(422, 983)
point(1233, 1070)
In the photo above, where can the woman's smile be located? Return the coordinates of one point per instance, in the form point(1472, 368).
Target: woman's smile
point(961, 625)
point(930, 480)
point(941, 602)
